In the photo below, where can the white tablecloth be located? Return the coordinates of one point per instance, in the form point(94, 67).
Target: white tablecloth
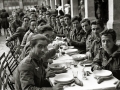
point(91, 83)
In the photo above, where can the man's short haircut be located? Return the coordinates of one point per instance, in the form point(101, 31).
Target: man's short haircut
point(97, 22)
point(25, 16)
point(61, 17)
point(67, 15)
point(85, 20)
point(108, 32)
point(75, 18)
point(33, 14)
point(32, 20)
point(41, 20)
point(44, 28)
point(35, 38)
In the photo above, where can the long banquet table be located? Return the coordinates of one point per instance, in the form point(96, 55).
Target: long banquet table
point(90, 83)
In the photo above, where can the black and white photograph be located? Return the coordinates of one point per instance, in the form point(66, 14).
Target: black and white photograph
point(59, 45)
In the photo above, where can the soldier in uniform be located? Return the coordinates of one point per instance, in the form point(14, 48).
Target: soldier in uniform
point(31, 73)
point(108, 56)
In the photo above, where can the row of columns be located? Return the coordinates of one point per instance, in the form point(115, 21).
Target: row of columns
point(89, 7)
point(74, 5)
point(2, 4)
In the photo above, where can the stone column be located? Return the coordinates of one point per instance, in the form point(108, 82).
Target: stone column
point(63, 3)
point(39, 2)
point(114, 16)
point(89, 9)
point(52, 4)
point(21, 4)
point(48, 2)
point(1, 4)
point(57, 2)
point(74, 8)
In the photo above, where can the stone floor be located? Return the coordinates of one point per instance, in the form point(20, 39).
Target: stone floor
point(3, 47)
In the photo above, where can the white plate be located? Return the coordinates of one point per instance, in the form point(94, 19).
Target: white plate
point(78, 56)
point(102, 73)
point(71, 47)
point(63, 78)
point(57, 66)
point(66, 82)
point(71, 51)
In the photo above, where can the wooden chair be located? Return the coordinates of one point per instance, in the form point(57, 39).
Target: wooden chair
point(4, 76)
point(2, 56)
point(11, 62)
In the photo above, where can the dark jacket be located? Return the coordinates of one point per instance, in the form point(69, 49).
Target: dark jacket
point(109, 62)
point(14, 25)
point(95, 46)
point(18, 34)
point(81, 42)
point(31, 75)
point(25, 38)
point(4, 22)
point(61, 31)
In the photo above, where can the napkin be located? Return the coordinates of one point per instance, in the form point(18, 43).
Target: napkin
point(101, 79)
point(78, 82)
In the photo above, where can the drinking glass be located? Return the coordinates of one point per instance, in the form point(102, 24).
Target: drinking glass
point(68, 64)
point(75, 72)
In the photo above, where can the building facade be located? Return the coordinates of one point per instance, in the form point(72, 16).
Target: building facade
point(107, 10)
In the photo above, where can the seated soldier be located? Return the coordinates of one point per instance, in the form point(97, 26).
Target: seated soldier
point(74, 34)
point(31, 73)
point(53, 20)
point(29, 32)
point(61, 29)
point(67, 20)
point(83, 34)
point(108, 56)
point(93, 42)
point(48, 17)
point(57, 24)
point(16, 23)
point(20, 32)
point(45, 30)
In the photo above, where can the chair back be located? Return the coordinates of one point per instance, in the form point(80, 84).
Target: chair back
point(5, 83)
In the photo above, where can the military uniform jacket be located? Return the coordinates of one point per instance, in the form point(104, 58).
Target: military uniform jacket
point(31, 75)
point(109, 62)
